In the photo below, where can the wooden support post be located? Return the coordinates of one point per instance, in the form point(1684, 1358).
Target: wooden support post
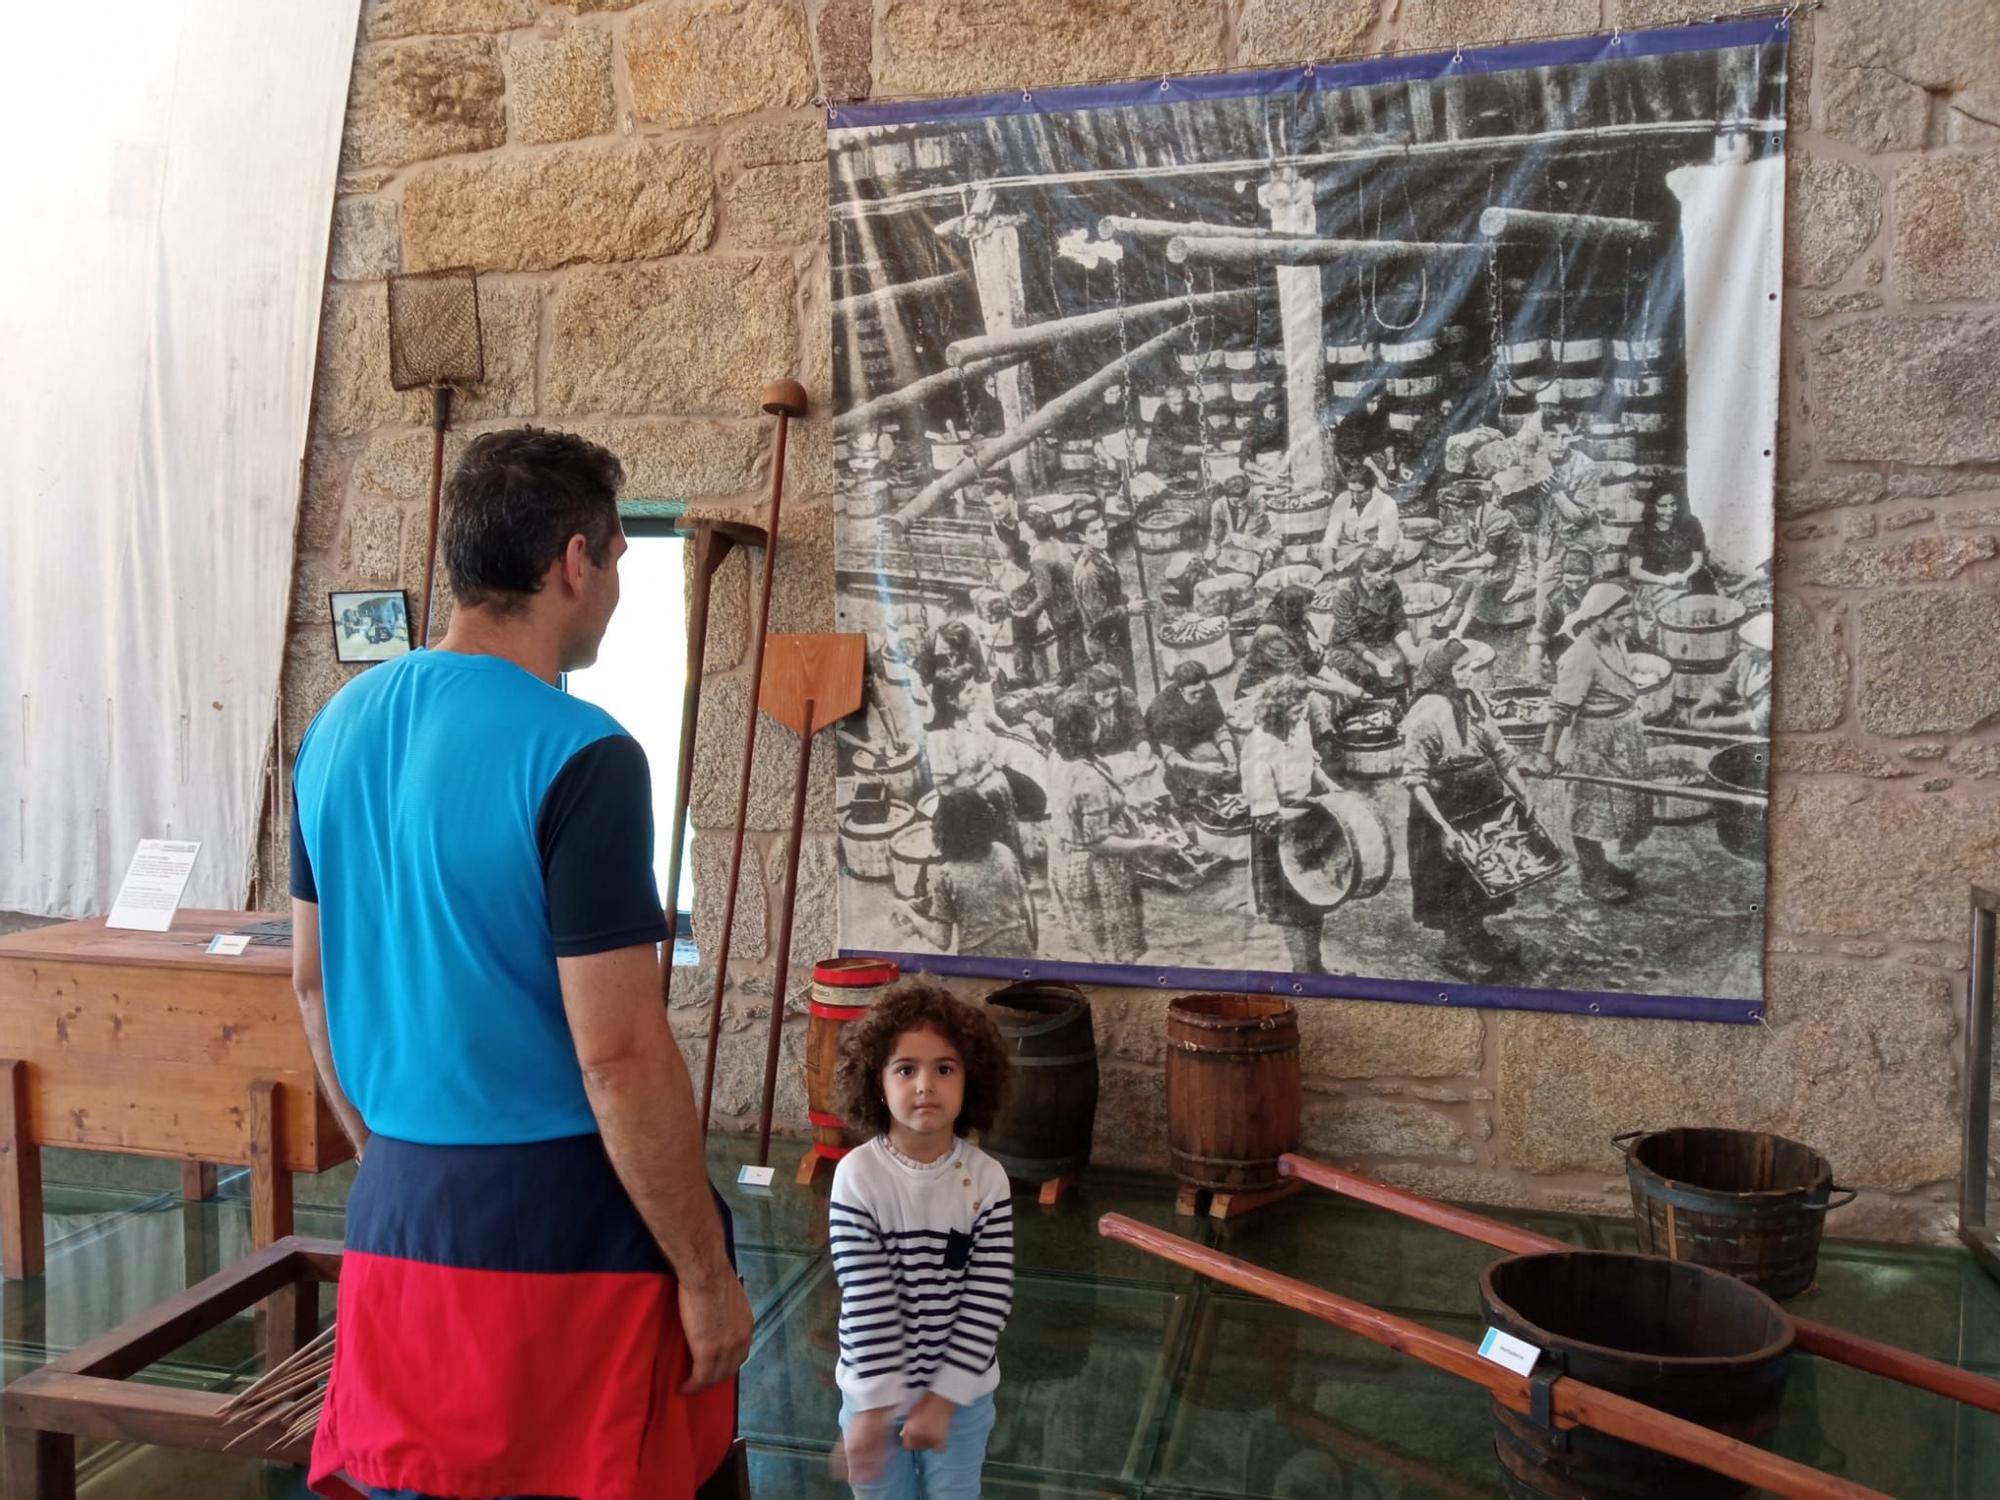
point(1003, 299)
point(810, 1166)
point(21, 1242)
point(38, 1465)
point(1288, 199)
point(198, 1181)
point(270, 1183)
point(1230, 1203)
point(1053, 1190)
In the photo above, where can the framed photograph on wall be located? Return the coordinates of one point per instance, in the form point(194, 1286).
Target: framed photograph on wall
point(369, 624)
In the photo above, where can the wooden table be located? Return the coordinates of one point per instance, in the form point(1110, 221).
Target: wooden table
point(145, 1044)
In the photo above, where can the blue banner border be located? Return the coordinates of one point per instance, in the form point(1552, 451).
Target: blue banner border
point(1334, 987)
point(1317, 77)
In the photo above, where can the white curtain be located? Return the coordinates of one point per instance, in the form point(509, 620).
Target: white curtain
point(169, 172)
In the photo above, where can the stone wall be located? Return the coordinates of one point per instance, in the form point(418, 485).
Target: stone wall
point(642, 187)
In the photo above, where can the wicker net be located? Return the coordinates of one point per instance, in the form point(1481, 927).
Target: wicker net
point(434, 330)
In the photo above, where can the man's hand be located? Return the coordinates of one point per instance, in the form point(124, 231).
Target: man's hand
point(928, 1426)
point(716, 1319)
point(867, 1445)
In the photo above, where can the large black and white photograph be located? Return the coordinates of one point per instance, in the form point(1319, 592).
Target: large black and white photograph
point(1314, 528)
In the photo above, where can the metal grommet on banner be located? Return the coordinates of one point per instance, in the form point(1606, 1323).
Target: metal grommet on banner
point(1163, 85)
point(1027, 97)
point(1457, 53)
point(1617, 35)
point(1596, 1009)
point(1444, 997)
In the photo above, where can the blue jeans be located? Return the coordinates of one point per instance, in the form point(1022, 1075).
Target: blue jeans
point(952, 1474)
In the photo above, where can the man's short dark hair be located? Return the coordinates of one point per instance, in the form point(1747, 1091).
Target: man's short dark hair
point(511, 506)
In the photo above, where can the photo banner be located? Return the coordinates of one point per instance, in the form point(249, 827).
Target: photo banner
point(1313, 527)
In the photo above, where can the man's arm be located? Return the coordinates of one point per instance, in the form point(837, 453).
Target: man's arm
point(644, 1102)
point(310, 987)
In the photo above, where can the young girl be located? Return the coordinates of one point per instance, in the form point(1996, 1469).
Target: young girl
point(922, 1234)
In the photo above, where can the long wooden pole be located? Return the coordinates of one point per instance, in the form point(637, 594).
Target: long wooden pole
point(1059, 331)
point(916, 391)
point(712, 543)
point(1572, 1403)
point(985, 455)
point(1112, 225)
point(879, 299)
point(1715, 796)
point(783, 399)
point(1302, 250)
point(1529, 224)
point(1815, 1338)
point(789, 910)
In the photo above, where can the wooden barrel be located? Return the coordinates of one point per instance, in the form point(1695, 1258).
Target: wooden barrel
point(1337, 850)
point(1044, 1130)
point(1232, 1089)
point(912, 854)
point(864, 844)
point(1740, 1201)
point(843, 990)
point(1678, 1337)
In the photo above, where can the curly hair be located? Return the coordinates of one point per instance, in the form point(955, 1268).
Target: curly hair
point(921, 1005)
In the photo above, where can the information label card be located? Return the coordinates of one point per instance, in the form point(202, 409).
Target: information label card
point(153, 884)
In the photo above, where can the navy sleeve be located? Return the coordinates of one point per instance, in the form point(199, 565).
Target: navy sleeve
point(304, 888)
point(595, 833)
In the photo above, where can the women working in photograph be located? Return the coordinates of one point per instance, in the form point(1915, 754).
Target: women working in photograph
point(1669, 559)
point(977, 903)
point(1093, 843)
point(1485, 570)
point(959, 751)
point(1281, 776)
point(1739, 701)
point(1455, 764)
point(1189, 730)
point(1368, 636)
point(921, 1230)
point(1283, 647)
point(1594, 716)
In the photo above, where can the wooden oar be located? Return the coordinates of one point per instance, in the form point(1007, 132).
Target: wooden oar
point(809, 682)
point(1572, 1403)
point(1815, 1338)
point(1704, 736)
point(1683, 790)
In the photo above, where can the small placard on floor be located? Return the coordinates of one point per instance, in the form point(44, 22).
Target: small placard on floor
point(755, 1176)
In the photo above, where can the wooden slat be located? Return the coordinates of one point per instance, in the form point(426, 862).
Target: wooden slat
point(21, 1233)
point(198, 1181)
point(181, 946)
point(243, 1021)
point(55, 1401)
point(161, 1329)
point(1822, 1339)
point(270, 1180)
point(176, 1110)
point(1573, 1403)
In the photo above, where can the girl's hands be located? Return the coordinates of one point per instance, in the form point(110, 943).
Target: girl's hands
point(867, 1444)
point(928, 1426)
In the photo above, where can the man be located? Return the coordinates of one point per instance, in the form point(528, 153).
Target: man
point(537, 1296)
point(1360, 517)
point(1052, 567)
point(1369, 639)
point(1100, 598)
point(1567, 484)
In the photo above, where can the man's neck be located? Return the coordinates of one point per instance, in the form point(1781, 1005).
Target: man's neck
point(515, 638)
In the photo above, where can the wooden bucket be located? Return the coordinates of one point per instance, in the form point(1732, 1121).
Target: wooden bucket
point(864, 846)
point(912, 853)
point(1689, 1341)
point(1424, 605)
point(1044, 1129)
point(1699, 630)
point(1740, 1201)
point(843, 990)
point(1232, 1089)
point(1338, 850)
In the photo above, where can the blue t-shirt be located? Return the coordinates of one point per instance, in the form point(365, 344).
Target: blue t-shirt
point(461, 824)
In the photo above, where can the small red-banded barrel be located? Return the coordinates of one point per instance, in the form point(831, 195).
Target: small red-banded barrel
point(843, 989)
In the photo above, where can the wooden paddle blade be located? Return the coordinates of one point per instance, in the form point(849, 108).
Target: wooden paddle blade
point(823, 668)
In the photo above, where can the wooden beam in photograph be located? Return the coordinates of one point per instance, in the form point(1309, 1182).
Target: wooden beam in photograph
point(1036, 337)
point(1546, 228)
point(1307, 250)
point(915, 393)
point(1288, 199)
point(1113, 225)
point(881, 297)
point(1049, 419)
